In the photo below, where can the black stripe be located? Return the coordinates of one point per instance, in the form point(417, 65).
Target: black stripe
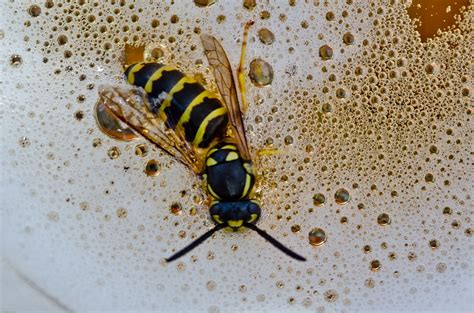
point(143, 75)
point(198, 114)
point(181, 100)
point(166, 82)
point(214, 129)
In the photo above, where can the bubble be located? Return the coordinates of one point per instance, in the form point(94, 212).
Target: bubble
point(319, 199)
point(288, 140)
point(434, 244)
point(204, 3)
point(121, 213)
point(141, 150)
point(295, 229)
point(24, 142)
point(250, 4)
point(330, 16)
point(79, 115)
point(367, 249)
point(154, 53)
point(152, 168)
point(260, 73)
point(266, 36)
point(429, 178)
point(62, 40)
point(375, 265)
point(15, 60)
point(113, 153)
point(326, 108)
point(317, 237)
point(264, 15)
point(348, 38)
point(331, 295)
point(342, 196)
point(383, 219)
point(176, 208)
point(325, 52)
point(34, 10)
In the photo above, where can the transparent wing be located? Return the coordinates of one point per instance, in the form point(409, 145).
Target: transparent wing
point(225, 83)
point(131, 107)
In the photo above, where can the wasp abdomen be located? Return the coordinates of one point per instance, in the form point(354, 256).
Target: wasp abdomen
point(182, 102)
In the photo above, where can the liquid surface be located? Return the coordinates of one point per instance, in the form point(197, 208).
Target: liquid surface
point(372, 121)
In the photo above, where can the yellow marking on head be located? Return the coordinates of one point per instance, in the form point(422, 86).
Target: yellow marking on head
point(212, 192)
point(248, 168)
point(232, 156)
point(212, 151)
point(255, 201)
point(210, 162)
point(217, 218)
point(253, 217)
point(237, 223)
point(202, 128)
point(196, 101)
point(229, 147)
point(133, 70)
point(248, 180)
point(178, 87)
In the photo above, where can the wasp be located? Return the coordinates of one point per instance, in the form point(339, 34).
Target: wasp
point(203, 131)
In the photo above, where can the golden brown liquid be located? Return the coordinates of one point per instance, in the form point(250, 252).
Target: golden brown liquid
point(434, 15)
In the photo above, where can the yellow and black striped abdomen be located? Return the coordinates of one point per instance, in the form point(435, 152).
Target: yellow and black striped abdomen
point(184, 104)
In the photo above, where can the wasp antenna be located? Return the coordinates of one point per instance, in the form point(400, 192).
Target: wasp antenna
point(195, 243)
point(275, 242)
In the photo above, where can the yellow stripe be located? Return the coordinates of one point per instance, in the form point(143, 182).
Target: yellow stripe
point(211, 162)
point(156, 75)
point(253, 217)
point(196, 101)
point(231, 156)
point(212, 151)
point(209, 188)
point(230, 147)
point(133, 70)
point(247, 185)
point(179, 86)
point(205, 122)
point(237, 223)
point(217, 218)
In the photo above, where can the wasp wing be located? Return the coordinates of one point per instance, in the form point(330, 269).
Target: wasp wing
point(132, 108)
point(226, 84)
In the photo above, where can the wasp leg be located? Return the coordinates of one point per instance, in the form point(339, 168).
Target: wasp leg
point(240, 70)
point(269, 151)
